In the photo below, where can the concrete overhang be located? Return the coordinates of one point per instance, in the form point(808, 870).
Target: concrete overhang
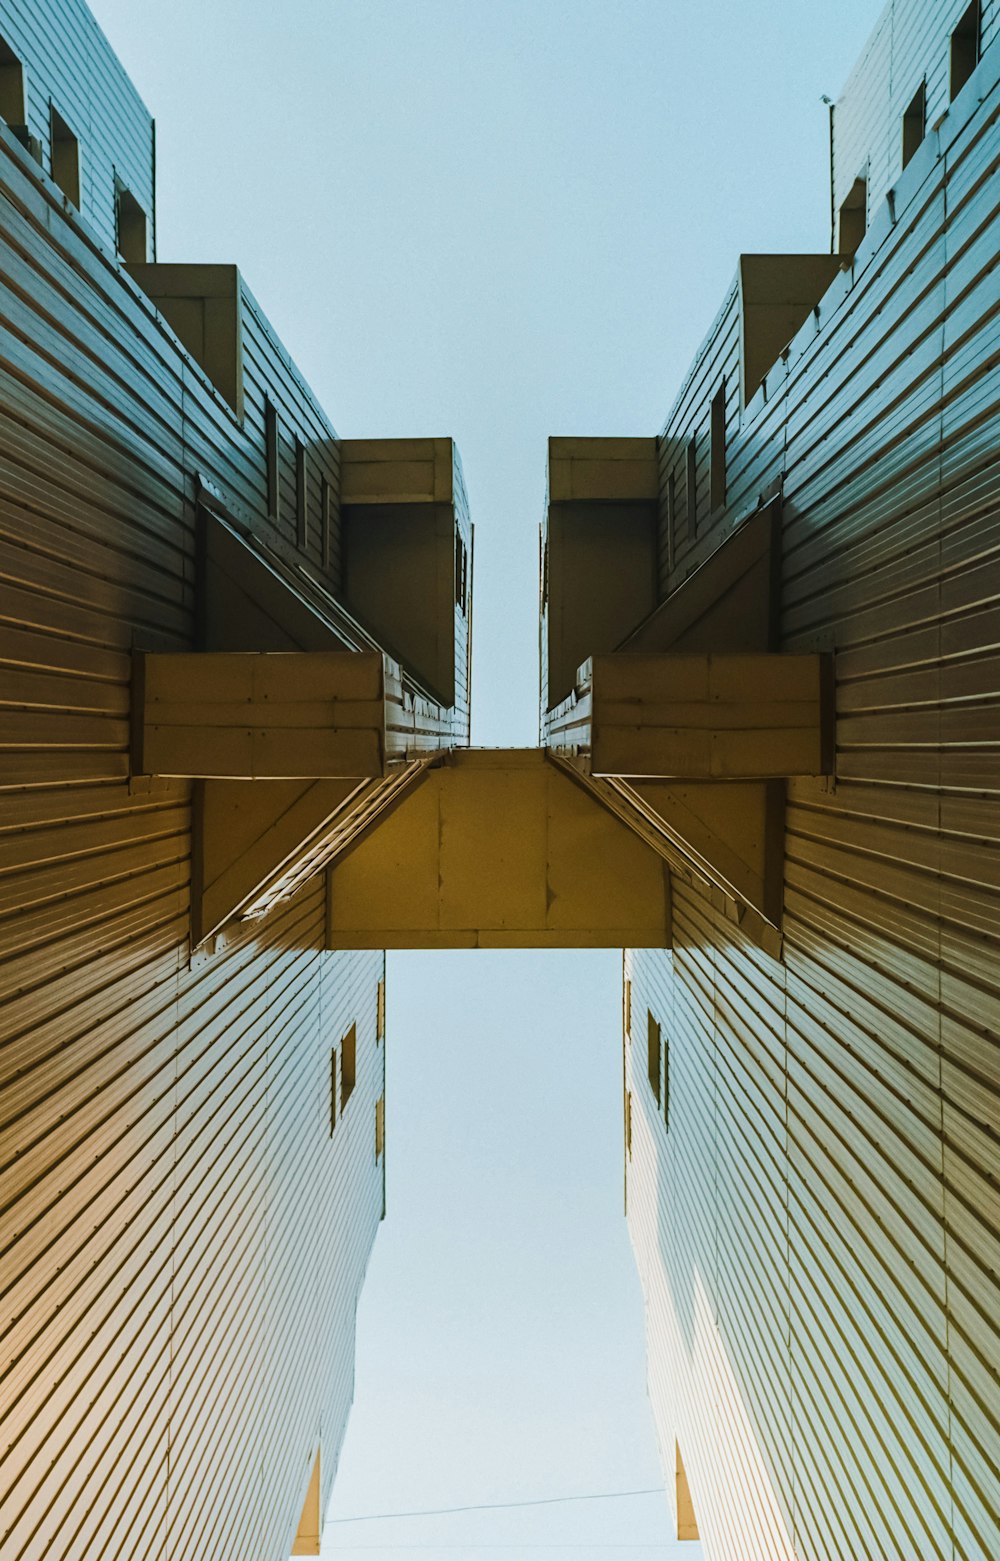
point(498, 849)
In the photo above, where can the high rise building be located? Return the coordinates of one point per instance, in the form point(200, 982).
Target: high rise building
point(234, 730)
point(200, 584)
point(810, 1068)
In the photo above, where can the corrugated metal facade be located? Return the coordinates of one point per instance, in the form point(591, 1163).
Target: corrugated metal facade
point(813, 1208)
point(182, 1237)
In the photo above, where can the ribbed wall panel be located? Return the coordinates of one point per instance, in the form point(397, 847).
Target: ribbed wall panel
point(817, 1230)
point(68, 62)
point(182, 1240)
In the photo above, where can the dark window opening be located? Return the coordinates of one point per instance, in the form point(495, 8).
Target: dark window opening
point(853, 218)
point(301, 493)
point(717, 468)
point(671, 519)
point(666, 1083)
point(130, 227)
point(12, 95)
point(461, 571)
point(348, 1065)
point(915, 122)
point(271, 459)
point(379, 1127)
point(965, 44)
point(325, 520)
point(653, 1054)
point(333, 1090)
point(65, 158)
point(692, 486)
point(380, 1012)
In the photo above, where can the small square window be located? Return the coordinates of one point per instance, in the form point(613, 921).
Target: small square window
point(915, 123)
point(965, 44)
point(348, 1066)
point(130, 226)
point(12, 94)
point(65, 158)
point(853, 217)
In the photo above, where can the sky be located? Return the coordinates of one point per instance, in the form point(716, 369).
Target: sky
point(496, 220)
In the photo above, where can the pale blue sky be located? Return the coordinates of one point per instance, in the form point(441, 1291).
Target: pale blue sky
point(496, 221)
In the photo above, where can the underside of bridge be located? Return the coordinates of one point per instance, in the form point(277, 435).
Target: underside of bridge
point(668, 754)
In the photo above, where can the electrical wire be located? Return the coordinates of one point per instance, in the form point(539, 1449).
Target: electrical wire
point(497, 1506)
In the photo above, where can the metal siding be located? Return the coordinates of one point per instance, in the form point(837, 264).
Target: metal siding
point(183, 1241)
point(69, 60)
point(817, 1233)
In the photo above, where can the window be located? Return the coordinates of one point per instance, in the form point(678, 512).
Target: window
point(380, 1011)
point(12, 102)
point(665, 1048)
point(301, 493)
point(325, 521)
point(853, 217)
point(915, 122)
point(65, 157)
point(627, 1000)
point(348, 1066)
point(653, 1059)
point(379, 1126)
point(717, 471)
point(271, 458)
point(965, 48)
point(333, 1090)
point(130, 226)
point(461, 572)
point(692, 485)
point(628, 1123)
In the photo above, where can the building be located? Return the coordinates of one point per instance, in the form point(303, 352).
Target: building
point(767, 768)
point(191, 1087)
point(810, 1068)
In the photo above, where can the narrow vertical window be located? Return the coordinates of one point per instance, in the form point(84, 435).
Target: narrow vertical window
point(65, 157)
point(915, 122)
point(653, 1054)
point(717, 470)
point(628, 1123)
point(380, 1011)
point(665, 1051)
point(692, 486)
point(12, 96)
point(853, 217)
point(379, 1126)
point(965, 48)
point(130, 226)
point(271, 458)
point(301, 493)
point(325, 521)
point(333, 1089)
point(348, 1065)
point(628, 1007)
point(461, 571)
